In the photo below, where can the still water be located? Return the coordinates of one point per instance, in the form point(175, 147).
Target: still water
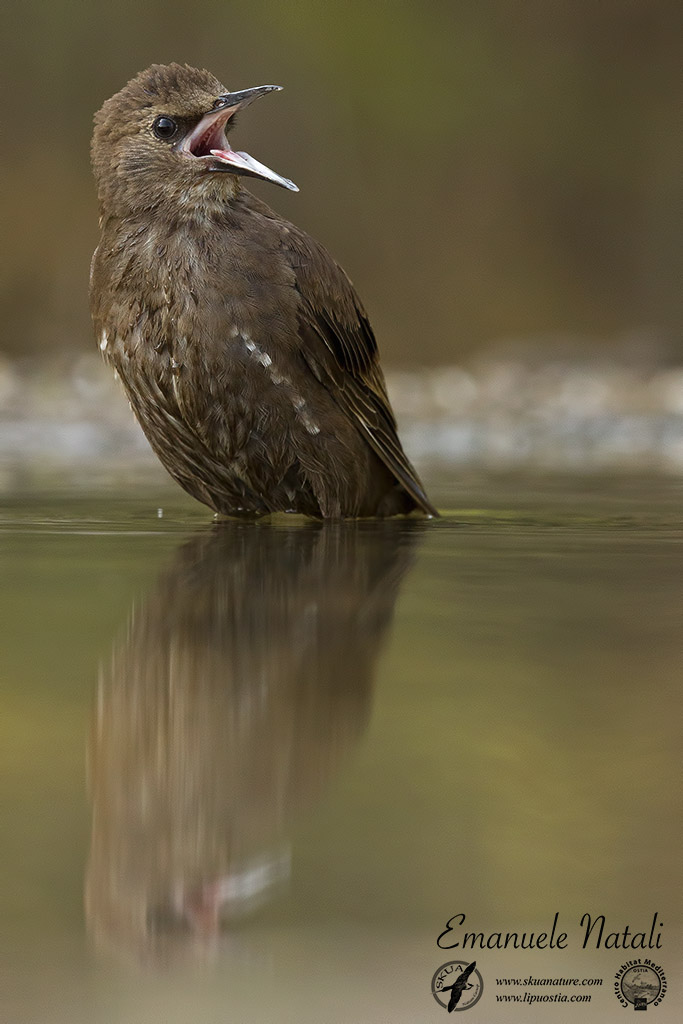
point(252, 769)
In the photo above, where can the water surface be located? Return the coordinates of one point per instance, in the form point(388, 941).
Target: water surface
point(253, 768)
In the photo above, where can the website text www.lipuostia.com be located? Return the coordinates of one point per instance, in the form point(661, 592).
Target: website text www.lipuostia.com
point(540, 993)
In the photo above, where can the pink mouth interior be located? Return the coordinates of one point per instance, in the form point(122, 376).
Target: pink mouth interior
point(212, 138)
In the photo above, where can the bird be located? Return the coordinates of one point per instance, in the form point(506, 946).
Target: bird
point(245, 352)
point(459, 986)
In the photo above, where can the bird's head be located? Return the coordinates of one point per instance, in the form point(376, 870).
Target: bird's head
point(163, 138)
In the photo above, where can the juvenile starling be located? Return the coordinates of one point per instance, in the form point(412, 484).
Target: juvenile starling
point(245, 352)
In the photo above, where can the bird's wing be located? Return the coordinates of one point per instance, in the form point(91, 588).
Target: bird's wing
point(456, 993)
point(338, 344)
point(467, 971)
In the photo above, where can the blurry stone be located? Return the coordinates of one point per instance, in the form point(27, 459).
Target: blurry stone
point(90, 379)
point(408, 393)
point(453, 391)
point(667, 390)
point(9, 383)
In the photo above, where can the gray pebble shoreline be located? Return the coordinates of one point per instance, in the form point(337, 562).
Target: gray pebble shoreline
point(509, 409)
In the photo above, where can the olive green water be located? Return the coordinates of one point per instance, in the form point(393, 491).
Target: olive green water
point(251, 770)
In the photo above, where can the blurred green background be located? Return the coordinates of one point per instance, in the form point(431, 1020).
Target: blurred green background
point(481, 170)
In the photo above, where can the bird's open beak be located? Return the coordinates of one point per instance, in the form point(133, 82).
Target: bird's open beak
point(209, 140)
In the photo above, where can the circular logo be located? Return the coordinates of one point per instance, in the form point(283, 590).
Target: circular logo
point(457, 985)
point(640, 984)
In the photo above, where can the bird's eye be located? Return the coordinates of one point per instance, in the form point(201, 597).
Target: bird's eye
point(165, 127)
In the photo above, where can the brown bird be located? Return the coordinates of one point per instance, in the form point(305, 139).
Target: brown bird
point(246, 354)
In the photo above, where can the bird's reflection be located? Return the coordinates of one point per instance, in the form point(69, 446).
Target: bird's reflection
point(241, 684)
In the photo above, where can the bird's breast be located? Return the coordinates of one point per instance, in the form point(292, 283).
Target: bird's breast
point(204, 337)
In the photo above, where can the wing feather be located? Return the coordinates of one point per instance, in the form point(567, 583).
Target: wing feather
point(339, 346)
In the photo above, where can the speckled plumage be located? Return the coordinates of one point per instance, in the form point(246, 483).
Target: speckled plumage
point(245, 352)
